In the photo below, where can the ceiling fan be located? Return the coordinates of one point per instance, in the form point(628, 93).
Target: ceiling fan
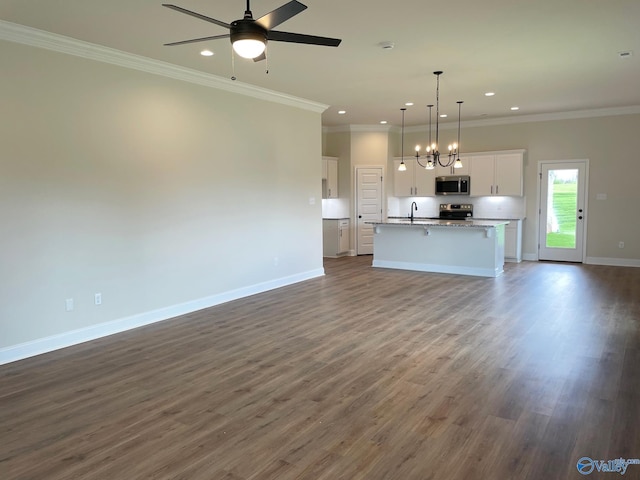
point(249, 37)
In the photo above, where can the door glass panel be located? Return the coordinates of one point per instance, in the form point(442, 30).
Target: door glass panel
point(562, 204)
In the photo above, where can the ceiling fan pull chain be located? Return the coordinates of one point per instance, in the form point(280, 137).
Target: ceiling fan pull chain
point(266, 60)
point(233, 65)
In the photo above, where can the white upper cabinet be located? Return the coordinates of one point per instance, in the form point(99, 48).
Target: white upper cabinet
point(329, 177)
point(415, 181)
point(499, 173)
point(444, 171)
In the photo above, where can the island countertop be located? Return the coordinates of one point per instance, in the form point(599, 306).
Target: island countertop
point(424, 222)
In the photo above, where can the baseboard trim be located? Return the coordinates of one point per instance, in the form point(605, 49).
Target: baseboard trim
point(39, 346)
point(613, 262)
point(432, 268)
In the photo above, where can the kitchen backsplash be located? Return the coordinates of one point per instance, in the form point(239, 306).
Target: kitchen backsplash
point(483, 207)
point(335, 208)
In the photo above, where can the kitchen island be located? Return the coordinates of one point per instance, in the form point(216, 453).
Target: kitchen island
point(466, 247)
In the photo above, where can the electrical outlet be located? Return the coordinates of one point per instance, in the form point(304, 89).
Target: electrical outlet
point(620, 244)
point(98, 299)
point(68, 303)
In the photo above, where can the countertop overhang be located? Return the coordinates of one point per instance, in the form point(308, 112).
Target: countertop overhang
point(440, 223)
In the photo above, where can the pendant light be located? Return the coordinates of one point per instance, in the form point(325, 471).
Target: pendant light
point(457, 163)
point(402, 167)
point(433, 156)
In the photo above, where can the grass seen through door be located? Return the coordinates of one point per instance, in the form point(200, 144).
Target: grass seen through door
point(565, 200)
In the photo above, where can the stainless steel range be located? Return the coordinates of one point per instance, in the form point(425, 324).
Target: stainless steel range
point(456, 211)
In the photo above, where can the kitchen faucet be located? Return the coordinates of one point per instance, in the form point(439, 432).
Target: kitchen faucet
point(414, 206)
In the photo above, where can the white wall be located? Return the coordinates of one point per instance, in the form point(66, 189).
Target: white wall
point(162, 195)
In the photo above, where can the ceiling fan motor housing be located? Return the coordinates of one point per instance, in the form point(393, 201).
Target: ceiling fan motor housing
point(247, 29)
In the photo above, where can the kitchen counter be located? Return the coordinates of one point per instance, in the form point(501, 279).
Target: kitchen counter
point(436, 222)
point(466, 247)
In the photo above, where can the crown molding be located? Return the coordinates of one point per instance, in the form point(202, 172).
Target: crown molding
point(490, 122)
point(546, 117)
point(33, 37)
point(542, 117)
point(358, 128)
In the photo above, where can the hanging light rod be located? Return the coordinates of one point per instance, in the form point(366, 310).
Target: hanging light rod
point(432, 155)
point(403, 166)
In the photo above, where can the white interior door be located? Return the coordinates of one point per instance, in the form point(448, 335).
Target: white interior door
point(368, 206)
point(562, 211)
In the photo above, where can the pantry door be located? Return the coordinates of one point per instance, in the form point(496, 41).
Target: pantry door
point(368, 206)
point(563, 211)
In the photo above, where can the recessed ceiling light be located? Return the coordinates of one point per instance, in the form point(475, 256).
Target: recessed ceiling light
point(206, 53)
point(443, 115)
point(409, 104)
point(383, 122)
point(341, 112)
point(515, 108)
point(625, 54)
point(489, 94)
point(386, 45)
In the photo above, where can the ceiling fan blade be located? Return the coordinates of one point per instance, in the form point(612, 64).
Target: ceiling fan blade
point(203, 39)
point(197, 15)
point(259, 58)
point(301, 38)
point(281, 14)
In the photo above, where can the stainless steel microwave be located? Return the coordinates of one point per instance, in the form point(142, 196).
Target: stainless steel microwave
point(453, 185)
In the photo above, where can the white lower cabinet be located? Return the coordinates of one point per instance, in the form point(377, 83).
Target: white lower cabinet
point(335, 237)
point(513, 241)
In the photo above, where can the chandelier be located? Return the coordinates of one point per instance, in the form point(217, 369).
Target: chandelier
point(432, 155)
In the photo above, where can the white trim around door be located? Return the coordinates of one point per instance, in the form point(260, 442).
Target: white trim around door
point(562, 210)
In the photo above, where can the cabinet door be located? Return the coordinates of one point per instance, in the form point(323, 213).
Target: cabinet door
point(444, 171)
point(466, 166)
point(482, 175)
point(509, 175)
point(425, 181)
point(332, 179)
point(403, 181)
point(344, 236)
point(510, 241)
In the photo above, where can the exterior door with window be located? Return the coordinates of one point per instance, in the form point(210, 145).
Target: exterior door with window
point(562, 211)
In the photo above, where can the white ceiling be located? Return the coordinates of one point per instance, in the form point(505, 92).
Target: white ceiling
point(545, 56)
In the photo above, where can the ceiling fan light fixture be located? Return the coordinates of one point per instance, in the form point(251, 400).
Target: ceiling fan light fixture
point(249, 39)
point(249, 47)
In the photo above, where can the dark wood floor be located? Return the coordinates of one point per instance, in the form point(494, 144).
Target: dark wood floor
point(362, 374)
